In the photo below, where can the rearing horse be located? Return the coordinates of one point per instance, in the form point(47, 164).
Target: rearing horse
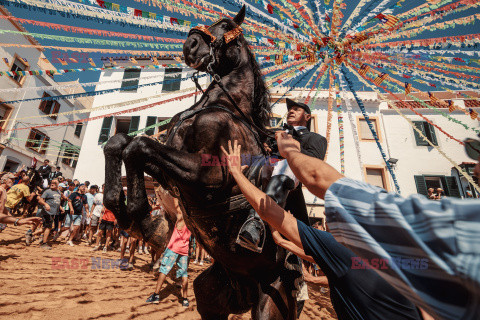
point(234, 107)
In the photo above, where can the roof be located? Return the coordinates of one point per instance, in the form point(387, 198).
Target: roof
point(417, 105)
point(472, 104)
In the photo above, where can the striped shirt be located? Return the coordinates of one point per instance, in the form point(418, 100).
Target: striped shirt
point(431, 248)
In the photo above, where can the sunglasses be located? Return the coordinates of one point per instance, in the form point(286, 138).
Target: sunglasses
point(472, 148)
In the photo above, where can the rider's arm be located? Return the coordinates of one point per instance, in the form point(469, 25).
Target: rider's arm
point(70, 206)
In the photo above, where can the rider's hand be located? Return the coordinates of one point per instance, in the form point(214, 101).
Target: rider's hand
point(233, 157)
point(286, 143)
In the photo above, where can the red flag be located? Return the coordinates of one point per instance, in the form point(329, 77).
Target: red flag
point(137, 13)
point(173, 20)
point(432, 85)
point(33, 164)
point(101, 3)
point(269, 8)
point(407, 76)
point(327, 18)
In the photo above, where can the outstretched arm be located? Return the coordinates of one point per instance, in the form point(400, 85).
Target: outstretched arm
point(314, 173)
point(268, 209)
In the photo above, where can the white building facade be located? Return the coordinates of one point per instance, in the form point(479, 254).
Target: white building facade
point(59, 144)
point(146, 100)
point(416, 165)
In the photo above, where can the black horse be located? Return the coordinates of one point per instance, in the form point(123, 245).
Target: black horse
point(234, 107)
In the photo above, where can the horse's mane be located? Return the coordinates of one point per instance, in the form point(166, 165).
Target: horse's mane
point(261, 99)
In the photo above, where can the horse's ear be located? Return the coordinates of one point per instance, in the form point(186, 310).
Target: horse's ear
point(240, 16)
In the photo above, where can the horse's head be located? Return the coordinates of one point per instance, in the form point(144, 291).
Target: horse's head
point(35, 178)
point(222, 41)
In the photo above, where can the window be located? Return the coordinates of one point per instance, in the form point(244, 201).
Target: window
point(172, 79)
point(131, 74)
point(78, 129)
point(11, 166)
point(105, 130)
point(127, 125)
point(37, 141)
point(19, 64)
point(364, 131)
point(448, 184)
point(4, 114)
point(376, 176)
point(273, 122)
point(49, 106)
point(150, 122)
point(428, 131)
point(69, 154)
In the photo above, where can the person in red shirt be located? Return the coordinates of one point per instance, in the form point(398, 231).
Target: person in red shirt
point(176, 251)
point(107, 223)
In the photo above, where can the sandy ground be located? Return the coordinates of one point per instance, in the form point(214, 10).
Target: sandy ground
point(64, 283)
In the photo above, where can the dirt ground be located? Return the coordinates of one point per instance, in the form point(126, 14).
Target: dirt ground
point(75, 283)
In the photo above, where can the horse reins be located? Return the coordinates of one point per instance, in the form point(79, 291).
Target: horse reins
point(215, 44)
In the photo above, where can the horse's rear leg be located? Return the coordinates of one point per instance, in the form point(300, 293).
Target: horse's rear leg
point(114, 198)
point(216, 298)
point(275, 302)
point(155, 230)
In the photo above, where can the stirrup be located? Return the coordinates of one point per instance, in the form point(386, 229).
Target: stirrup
point(248, 245)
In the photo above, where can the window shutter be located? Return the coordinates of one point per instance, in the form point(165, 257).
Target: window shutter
point(78, 129)
point(150, 121)
point(432, 133)
point(419, 140)
point(134, 122)
point(44, 145)
point(56, 108)
point(421, 185)
point(31, 136)
point(452, 186)
point(105, 131)
point(43, 103)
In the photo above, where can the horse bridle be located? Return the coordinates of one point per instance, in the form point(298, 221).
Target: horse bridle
point(216, 44)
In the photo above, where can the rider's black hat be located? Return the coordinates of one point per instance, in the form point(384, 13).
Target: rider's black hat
point(291, 103)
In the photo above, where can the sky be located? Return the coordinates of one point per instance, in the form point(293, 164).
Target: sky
point(229, 4)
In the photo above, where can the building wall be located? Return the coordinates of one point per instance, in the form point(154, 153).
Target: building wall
point(13, 143)
point(397, 140)
point(92, 151)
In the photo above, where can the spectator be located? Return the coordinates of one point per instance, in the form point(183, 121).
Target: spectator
point(96, 213)
point(5, 183)
point(77, 203)
point(55, 174)
point(107, 223)
point(60, 217)
point(44, 172)
point(199, 254)
point(88, 218)
point(431, 194)
point(440, 194)
point(66, 208)
point(17, 193)
point(50, 201)
point(176, 252)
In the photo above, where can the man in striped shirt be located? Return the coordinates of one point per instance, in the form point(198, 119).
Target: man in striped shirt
point(432, 247)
